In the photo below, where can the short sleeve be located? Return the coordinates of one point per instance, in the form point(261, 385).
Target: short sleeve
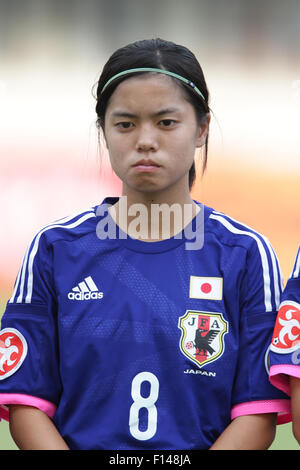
point(260, 294)
point(29, 373)
point(285, 345)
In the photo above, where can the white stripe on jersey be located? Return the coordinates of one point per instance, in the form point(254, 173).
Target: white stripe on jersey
point(22, 270)
point(70, 217)
point(278, 279)
point(18, 277)
point(296, 269)
point(29, 258)
point(264, 259)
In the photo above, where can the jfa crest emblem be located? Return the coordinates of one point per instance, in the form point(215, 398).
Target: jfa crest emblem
point(202, 336)
point(286, 336)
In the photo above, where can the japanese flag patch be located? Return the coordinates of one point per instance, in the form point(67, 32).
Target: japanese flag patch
point(210, 288)
point(286, 336)
point(13, 350)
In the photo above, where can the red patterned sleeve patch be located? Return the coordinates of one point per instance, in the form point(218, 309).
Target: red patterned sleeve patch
point(286, 336)
point(13, 350)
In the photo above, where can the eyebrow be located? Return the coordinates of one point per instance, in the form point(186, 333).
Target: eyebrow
point(159, 113)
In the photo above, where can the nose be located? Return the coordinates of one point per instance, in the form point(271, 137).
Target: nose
point(147, 139)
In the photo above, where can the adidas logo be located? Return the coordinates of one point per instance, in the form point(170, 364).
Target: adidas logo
point(85, 290)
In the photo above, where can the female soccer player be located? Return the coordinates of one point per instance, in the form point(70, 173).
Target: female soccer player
point(143, 323)
point(285, 346)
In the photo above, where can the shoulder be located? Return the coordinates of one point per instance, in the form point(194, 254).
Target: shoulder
point(291, 293)
point(37, 260)
point(233, 232)
point(68, 228)
point(260, 258)
point(295, 274)
point(74, 226)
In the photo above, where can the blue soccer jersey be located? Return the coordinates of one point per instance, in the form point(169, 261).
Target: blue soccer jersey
point(129, 344)
point(285, 346)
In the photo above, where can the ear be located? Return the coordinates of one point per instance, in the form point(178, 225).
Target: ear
point(203, 131)
point(101, 136)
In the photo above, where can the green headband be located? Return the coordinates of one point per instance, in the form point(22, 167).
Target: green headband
point(149, 69)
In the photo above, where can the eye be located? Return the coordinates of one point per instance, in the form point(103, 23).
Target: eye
point(167, 122)
point(124, 125)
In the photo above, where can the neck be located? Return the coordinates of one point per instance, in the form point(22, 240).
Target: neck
point(151, 216)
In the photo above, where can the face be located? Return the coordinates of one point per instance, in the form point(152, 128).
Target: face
point(151, 134)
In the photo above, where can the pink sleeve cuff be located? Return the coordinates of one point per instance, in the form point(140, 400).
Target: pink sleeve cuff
point(20, 399)
point(279, 376)
point(280, 406)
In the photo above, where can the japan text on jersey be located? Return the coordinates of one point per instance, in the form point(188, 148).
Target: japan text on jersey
point(144, 345)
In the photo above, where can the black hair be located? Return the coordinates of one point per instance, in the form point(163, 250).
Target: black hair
point(156, 53)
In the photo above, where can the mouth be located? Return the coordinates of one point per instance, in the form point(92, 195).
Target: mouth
point(146, 165)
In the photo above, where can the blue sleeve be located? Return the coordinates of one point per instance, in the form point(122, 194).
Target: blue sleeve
point(285, 345)
point(260, 295)
point(28, 338)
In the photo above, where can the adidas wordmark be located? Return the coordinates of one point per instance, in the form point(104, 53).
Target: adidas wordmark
point(85, 290)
